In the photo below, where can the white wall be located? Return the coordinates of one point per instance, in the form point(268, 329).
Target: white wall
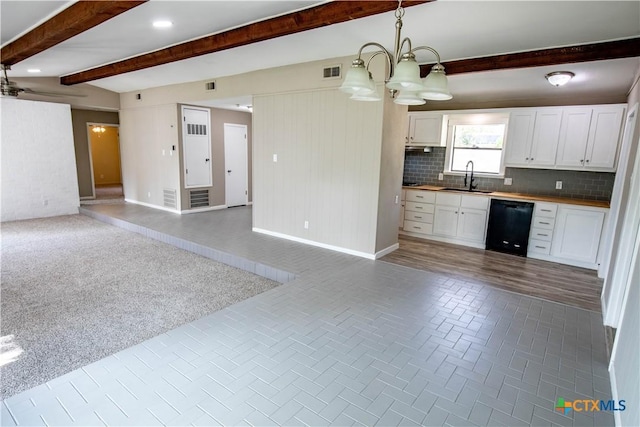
point(38, 160)
point(147, 135)
point(328, 168)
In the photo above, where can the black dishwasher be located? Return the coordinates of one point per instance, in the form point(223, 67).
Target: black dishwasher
point(509, 224)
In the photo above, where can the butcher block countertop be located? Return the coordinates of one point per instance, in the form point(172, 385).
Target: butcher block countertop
point(521, 196)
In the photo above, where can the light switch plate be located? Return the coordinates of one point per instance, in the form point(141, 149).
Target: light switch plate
point(440, 176)
point(275, 158)
point(558, 185)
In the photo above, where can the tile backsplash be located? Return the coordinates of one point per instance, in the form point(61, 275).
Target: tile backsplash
point(423, 168)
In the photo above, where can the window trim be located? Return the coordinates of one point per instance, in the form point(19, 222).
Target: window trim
point(483, 118)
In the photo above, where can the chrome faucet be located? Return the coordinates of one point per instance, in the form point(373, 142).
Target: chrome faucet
point(466, 171)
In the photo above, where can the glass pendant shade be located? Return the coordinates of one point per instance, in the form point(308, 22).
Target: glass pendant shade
point(408, 98)
point(357, 78)
point(406, 75)
point(366, 95)
point(436, 86)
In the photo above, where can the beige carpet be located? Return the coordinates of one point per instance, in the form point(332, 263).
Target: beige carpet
point(75, 290)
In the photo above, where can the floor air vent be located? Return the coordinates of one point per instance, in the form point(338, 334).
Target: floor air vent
point(199, 198)
point(169, 198)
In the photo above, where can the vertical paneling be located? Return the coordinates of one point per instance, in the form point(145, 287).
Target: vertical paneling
point(328, 167)
point(146, 169)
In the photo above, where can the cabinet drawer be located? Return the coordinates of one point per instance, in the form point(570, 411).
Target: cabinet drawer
point(541, 234)
point(418, 227)
point(539, 246)
point(420, 196)
point(448, 199)
point(419, 217)
point(546, 210)
point(542, 222)
point(419, 207)
point(475, 202)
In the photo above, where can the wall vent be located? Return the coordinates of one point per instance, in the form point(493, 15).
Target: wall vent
point(193, 129)
point(199, 198)
point(169, 198)
point(332, 72)
point(210, 85)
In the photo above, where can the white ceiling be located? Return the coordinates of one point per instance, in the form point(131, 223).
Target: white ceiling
point(457, 29)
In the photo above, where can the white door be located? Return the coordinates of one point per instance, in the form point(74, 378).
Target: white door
point(196, 137)
point(236, 163)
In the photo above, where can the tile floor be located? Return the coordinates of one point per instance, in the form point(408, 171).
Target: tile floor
point(345, 341)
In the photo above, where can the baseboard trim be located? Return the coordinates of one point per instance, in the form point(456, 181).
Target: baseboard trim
point(317, 244)
point(386, 251)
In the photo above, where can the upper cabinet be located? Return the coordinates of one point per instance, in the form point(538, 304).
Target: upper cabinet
point(532, 137)
point(589, 138)
point(578, 138)
point(425, 129)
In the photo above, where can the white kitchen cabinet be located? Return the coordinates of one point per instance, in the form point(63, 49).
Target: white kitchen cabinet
point(577, 234)
point(425, 129)
point(418, 211)
point(472, 224)
point(461, 217)
point(589, 138)
point(532, 137)
point(445, 222)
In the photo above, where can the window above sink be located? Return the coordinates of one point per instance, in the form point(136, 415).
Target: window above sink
point(479, 138)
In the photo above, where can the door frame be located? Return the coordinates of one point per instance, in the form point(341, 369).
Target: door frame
point(246, 161)
point(184, 146)
point(93, 180)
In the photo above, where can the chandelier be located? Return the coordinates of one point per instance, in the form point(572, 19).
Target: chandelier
point(98, 129)
point(404, 73)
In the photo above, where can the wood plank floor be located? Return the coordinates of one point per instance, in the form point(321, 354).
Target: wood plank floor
point(578, 287)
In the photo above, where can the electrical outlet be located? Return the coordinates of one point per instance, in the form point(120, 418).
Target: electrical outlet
point(306, 225)
point(508, 181)
point(558, 185)
point(275, 158)
point(440, 176)
point(397, 199)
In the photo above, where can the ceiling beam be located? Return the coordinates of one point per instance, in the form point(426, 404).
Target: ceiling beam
point(316, 17)
point(75, 19)
point(539, 58)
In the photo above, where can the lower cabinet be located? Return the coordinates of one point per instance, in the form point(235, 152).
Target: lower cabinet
point(577, 234)
point(445, 221)
point(472, 224)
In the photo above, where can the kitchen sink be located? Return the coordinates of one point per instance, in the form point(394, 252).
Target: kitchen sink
point(466, 190)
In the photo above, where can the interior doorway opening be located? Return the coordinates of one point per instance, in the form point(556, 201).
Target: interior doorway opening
point(104, 155)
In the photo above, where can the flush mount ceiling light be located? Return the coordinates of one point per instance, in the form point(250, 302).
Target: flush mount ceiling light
point(559, 78)
point(404, 73)
point(162, 24)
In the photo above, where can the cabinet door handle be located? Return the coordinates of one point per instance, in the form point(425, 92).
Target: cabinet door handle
point(462, 213)
point(545, 210)
point(587, 160)
point(505, 242)
point(540, 234)
point(517, 246)
point(526, 158)
point(417, 217)
point(532, 159)
point(540, 247)
point(419, 197)
point(582, 161)
point(417, 228)
point(418, 207)
point(456, 212)
point(545, 223)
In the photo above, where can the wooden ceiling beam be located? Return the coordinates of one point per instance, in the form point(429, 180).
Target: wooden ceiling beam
point(75, 19)
point(627, 48)
point(316, 17)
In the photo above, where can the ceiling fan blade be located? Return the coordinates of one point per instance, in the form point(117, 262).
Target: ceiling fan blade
point(45, 93)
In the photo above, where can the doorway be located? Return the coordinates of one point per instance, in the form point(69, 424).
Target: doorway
point(236, 163)
point(104, 155)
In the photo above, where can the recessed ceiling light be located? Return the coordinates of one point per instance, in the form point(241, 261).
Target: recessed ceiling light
point(162, 24)
point(33, 70)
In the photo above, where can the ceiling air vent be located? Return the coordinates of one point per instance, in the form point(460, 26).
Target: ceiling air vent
point(210, 85)
point(332, 72)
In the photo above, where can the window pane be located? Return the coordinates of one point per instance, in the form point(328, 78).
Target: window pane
point(478, 136)
point(487, 161)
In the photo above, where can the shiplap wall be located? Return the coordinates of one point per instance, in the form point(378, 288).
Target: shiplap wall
point(147, 135)
point(38, 160)
point(328, 168)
